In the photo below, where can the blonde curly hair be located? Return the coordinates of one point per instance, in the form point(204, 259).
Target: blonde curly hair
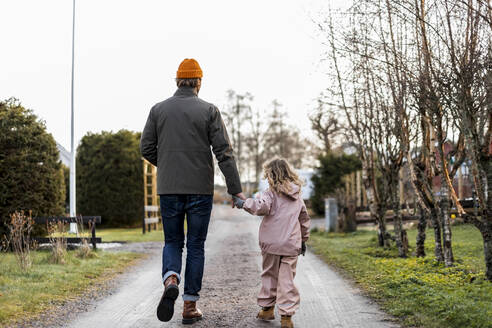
point(280, 175)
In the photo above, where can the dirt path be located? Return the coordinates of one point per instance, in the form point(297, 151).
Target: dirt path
point(229, 288)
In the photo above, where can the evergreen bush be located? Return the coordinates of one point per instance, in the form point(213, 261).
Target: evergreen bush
point(110, 178)
point(328, 177)
point(31, 177)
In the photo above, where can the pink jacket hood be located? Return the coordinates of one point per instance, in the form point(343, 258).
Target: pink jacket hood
point(294, 193)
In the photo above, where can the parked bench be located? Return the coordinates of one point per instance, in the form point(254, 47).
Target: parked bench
point(89, 220)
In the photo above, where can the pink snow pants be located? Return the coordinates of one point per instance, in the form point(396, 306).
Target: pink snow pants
point(277, 283)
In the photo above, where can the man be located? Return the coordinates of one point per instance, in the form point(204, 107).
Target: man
point(177, 139)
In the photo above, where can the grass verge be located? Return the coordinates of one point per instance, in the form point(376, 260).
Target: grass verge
point(418, 291)
point(129, 235)
point(25, 294)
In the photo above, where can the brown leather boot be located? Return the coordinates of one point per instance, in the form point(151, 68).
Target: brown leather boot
point(267, 313)
point(165, 309)
point(191, 313)
point(170, 281)
point(286, 322)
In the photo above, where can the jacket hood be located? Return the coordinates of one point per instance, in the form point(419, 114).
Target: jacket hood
point(294, 193)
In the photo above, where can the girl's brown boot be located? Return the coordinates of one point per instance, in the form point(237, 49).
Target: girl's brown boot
point(266, 313)
point(286, 322)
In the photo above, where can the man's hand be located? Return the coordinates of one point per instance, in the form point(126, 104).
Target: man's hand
point(303, 248)
point(237, 202)
point(240, 196)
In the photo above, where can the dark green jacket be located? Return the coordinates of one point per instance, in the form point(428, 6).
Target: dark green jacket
point(177, 139)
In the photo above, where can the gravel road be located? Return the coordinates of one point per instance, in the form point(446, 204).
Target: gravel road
point(230, 285)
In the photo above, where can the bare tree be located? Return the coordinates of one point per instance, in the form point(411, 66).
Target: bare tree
point(256, 136)
point(354, 93)
point(414, 80)
point(282, 139)
point(237, 114)
point(325, 124)
point(447, 67)
point(276, 143)
point(254, 142)
point(467, 32)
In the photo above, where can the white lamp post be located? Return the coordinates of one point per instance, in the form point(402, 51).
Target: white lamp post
point(73, 212)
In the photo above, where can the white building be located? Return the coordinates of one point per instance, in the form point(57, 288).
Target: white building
point(64, 155)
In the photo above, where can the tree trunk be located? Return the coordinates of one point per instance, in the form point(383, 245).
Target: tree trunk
point(402, 232)
point(374, 206)
point(421, 233)
point(342, 217)
point(446, 224)
point(444, 197)
point(486, 214)
point(404, 240)
point(382, 241)
point(487, 249)
point(486, 219)
point(400, 242)
point(350, 223)
point(397, 222)
point(437, 235)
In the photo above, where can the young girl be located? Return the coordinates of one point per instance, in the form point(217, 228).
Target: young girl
point(283, 233)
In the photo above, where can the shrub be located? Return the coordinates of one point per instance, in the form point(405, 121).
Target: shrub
point(20, 228)
point(57, 236)
point(84, 250)
point(30, 169)
point(110, 177)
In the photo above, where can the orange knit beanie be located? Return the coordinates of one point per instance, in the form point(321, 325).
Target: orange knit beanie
point(189, 69)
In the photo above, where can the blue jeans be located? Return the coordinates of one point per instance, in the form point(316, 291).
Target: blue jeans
point(197, 209)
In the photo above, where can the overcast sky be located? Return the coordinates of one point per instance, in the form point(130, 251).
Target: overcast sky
point(128, 51)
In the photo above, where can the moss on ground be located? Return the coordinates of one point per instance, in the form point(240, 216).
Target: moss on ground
point(419, 291)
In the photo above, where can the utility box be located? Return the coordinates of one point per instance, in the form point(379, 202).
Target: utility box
point(331, 214)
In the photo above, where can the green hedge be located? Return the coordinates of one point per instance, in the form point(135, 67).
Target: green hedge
point(110, 178)
point(31, 176)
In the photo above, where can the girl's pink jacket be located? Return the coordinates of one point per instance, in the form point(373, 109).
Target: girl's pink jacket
point(285, 221)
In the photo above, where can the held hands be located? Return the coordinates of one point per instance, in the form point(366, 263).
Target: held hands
point(238, 200)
